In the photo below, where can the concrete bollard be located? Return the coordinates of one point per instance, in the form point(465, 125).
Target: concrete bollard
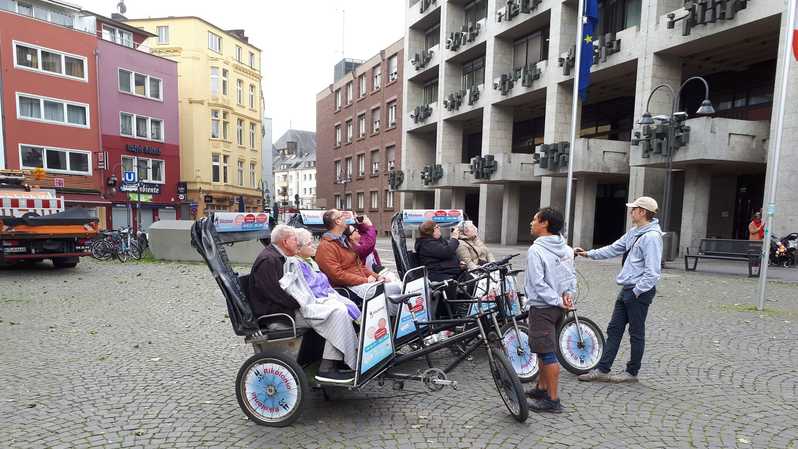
point(171, 240)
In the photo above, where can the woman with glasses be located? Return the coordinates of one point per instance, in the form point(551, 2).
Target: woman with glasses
point(363, 240)
point(439, 255)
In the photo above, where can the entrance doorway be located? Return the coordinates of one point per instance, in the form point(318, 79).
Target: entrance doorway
point(750, 192)
point(610, 215)
point(472, 206)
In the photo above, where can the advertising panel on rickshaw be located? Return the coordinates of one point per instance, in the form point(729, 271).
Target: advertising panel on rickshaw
point(241, 221)
point(375, 348)
point(316, 217)
point(418, 306)
point(444, 217)
point(488, 289)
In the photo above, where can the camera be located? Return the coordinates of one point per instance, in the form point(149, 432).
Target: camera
point(359, 218)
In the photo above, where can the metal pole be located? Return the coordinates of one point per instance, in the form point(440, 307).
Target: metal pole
point(666, 207)
point(773, 157)
point(580, 19)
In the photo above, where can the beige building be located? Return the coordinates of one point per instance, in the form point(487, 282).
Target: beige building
point(220, 110)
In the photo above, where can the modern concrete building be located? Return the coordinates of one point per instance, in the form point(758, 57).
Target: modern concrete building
point(488, 102)
point(220, 110)
point(359, 126)
point(295, 169)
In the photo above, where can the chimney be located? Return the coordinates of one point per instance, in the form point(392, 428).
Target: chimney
point(119, 17)
point(239, 34)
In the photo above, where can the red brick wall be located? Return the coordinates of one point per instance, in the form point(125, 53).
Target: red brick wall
point(326, 152)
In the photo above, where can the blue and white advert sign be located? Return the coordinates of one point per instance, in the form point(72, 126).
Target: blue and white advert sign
point(449, 217)
point(377, 341)
point(241, 221)
point(418, 306)
point(316, 217)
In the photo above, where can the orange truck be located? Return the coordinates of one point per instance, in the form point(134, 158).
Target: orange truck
point(34, 225)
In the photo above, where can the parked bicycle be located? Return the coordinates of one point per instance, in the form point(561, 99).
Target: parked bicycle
point(119, 244)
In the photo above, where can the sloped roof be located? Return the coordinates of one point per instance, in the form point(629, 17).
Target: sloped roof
point(306, 149)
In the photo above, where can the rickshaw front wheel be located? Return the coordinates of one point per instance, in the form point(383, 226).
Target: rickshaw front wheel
point(272, 389)
point(508, 384)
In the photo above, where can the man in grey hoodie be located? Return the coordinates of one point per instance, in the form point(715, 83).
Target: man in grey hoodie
point(550, 283)
point(641, 248)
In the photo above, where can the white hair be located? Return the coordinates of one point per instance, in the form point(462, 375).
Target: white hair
point(282, 232)
point(303, 236)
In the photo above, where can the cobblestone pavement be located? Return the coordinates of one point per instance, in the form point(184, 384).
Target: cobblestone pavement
point(141, 355)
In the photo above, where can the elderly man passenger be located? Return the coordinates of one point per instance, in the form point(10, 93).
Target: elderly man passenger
point(268, 297)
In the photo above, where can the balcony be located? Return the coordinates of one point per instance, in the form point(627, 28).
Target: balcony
point(516, 18)
point(424, 14)
point(504, 167)
point(467, 37)
point(519, 82)
point(591, 156)
point(422, 118)
point(423, 64)
point(459, 103)
point(716, 141)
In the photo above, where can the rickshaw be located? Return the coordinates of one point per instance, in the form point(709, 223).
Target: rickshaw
point(272, 386)
point(580, 342)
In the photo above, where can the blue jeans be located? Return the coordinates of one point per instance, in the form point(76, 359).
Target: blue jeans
point(632, 311)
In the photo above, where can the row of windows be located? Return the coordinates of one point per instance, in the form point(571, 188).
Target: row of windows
point(220, 125)
point(376, 82)
point(52, 110)
point(141, 127)
point(215, 44)
point(149, 170)
point(345, 202)
point(219, 83)
point(362, 127)
point(343, 169)
point(48, 61)
point(78, 162)
point(219, 169)
point(140, 84)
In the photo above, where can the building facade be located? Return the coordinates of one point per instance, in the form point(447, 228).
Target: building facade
point(489, 101)
point(220, 111)
point(267, 163)
point(294, 164)
point(359, 128)
point(50, 109)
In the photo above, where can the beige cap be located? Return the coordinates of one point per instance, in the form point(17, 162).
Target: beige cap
point(645, 202)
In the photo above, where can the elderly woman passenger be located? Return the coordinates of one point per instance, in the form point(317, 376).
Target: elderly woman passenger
point(472, 251)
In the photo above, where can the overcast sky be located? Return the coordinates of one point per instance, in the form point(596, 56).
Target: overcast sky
point(300, 41)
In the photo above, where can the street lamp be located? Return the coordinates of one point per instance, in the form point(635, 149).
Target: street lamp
point(646, 119)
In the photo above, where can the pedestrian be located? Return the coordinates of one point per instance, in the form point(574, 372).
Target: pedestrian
point(641, 249)
point(756, 229)
point(550, 283)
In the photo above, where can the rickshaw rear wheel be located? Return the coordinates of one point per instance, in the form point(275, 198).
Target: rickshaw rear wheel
point(271, 389)
point(508, 384)
point(520, 355)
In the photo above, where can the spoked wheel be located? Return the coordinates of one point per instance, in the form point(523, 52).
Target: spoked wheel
point(516, 347)
point(271, 389)
point(101, 250)
point(508, 384)
point(135, 251)
point(579, 355)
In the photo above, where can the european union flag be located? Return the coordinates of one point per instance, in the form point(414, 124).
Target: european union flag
point(586, 57)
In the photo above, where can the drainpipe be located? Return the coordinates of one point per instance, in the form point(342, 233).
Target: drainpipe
point(2, 123)
point(98, 115)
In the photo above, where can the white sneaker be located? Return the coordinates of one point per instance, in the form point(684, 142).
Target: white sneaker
point(594, 375)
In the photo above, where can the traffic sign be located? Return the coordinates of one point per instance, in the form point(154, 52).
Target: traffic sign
point(129, 177)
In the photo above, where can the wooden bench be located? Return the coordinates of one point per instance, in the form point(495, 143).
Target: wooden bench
point(726, 249)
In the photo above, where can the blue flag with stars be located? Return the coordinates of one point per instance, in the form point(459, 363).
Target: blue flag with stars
point(586, 58)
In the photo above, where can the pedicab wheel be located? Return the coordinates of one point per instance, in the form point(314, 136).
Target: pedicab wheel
point(521, 357)
point(271, 389)
point(577, 356)
point(508, 384)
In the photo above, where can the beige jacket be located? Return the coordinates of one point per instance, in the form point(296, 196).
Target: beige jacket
point(471, 251)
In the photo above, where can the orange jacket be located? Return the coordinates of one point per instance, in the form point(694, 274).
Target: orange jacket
point(341, 264)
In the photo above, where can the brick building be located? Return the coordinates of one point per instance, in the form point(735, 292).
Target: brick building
point(359, 136)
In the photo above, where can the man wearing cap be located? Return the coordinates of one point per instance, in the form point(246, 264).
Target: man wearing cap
point(641, 248)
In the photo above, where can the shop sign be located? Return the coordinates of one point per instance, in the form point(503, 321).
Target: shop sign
point(143, 149)
point(182, 188)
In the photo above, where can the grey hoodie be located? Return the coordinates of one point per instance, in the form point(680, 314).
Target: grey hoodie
point(549, 271)
point(643, 266)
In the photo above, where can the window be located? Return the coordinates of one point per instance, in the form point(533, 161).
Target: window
point(141, 127)
point(388, 199)
point(147, 86)
point(361, 165)
point(215, 81)
point(393, 68)
point(240, 173)
point(214, 42)
point(225, 125)
point(474, 73)
point(392, 114)
point(530, 49)
point(375, 162)
point(252, 59)
point(239, 131)
point(375, 120)
point(52, 110)
point(432, 37)
point(239, 56)
point(252, 129)
point(252, 96)
point(215, 124)
point(349, 131)
point(240, 92)
point(224, 81)
point(375, 200)
point(253, 181)
point(163, 34)
point(476, 11)
point(348, 204)
point(337, 135)
point(121, 37)
point(338, 204)
point(58, 160)
point(338, 173)
point(390, 157)
point(48, 61)
point(149, 170)
point(215, 167)
point(225, 159)
point(361, 81)
point(361, 125)
point(349, 89)
point(337, 99)
point(361, 200)
point(349, 167)
point(376, 75)
point(430, 94)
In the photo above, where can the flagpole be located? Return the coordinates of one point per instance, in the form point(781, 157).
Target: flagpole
point(774, 156)
point(580, 20)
